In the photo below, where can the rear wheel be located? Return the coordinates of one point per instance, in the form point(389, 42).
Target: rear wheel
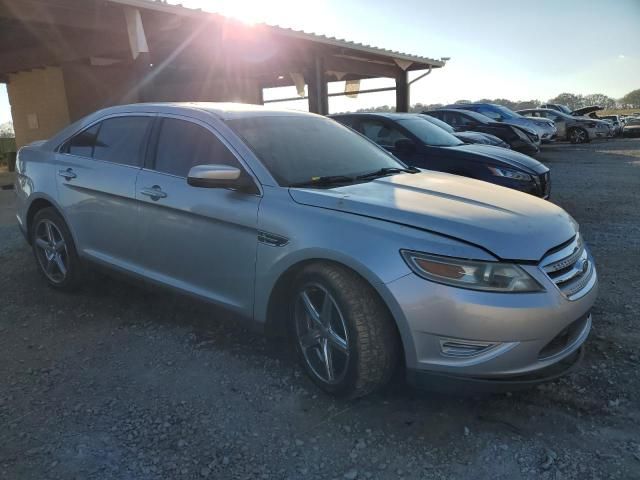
point(54, 250)
point(344, 336)
point(578, 135)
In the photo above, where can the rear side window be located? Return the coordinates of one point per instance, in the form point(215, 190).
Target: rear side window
point(121, 140)
point(118, 140)
point(182, 145)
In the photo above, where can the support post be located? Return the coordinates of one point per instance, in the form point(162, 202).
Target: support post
point(402, 91)
point(318, 89)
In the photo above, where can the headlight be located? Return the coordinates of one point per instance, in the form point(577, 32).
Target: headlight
point(471, 274)
point(508, 173)
point(521, 134)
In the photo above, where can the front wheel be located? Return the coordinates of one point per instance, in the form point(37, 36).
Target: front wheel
point(344, 335)
point(55, 250)
point(578, 135)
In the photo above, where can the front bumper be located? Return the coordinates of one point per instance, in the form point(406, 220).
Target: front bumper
point(442, 382)
point(516, 334)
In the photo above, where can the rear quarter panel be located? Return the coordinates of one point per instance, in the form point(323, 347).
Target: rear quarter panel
point(35, 179)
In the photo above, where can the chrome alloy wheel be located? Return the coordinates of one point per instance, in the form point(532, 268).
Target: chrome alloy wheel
point(322, 334)
point(51, 251)
point(579, 135)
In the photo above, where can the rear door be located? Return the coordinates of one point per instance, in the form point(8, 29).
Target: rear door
point(200, 240)
point(96, 177)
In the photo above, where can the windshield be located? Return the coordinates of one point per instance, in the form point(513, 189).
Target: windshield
point(563, 115)
point(297, 149)
point(478, 117)
point(438, 122)
point(505, 112)
point(428, 133)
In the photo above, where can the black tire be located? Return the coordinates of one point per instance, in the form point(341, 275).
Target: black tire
point(372, 339)
point(72, 277)
point(578, 135)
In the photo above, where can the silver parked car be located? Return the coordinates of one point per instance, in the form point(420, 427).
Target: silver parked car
point(299, 224)
point(574, 129)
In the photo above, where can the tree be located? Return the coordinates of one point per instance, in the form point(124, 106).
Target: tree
point(6, 130)
point(632, 99)
point(525, 104)
point(571, 100)
point(599, 99)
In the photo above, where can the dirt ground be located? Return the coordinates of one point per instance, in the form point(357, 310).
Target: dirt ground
point(118, 382)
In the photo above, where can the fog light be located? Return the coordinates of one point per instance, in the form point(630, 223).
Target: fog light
point(463, 348)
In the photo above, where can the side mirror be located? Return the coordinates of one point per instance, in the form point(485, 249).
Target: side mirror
point(217, 176)
point(404, 146)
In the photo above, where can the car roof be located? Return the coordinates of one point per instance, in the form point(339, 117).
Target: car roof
point(457, 106)
point(538, 110)
point(389, 115)
point(225, 111)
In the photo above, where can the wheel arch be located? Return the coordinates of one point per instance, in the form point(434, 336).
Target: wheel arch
point(276, 312)
point(39, 203)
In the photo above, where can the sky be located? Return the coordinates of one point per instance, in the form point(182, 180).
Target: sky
point(498, 48)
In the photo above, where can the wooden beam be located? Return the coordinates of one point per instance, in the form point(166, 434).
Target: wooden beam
point(65, 49)
point(85, 14)
point(361, 67)
point(402, 92)
point(317, 84)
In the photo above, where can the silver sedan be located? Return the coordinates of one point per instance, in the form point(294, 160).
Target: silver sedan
point(300, 225)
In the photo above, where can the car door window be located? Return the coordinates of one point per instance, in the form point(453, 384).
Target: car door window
point(463, 120)
point(490, 113)
point(382, 134)
point(122, 140)
point(183, 144)
point(82, 143)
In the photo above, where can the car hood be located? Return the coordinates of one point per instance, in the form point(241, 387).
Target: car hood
point(510, 157)
point(545, 123)
point(477, 137)
point(527, 123)
point(511, 225)
point(586, 110)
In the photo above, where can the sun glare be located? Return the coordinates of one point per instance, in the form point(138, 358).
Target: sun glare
point(275, 12)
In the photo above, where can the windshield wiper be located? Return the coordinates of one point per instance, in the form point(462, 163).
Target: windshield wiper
point(324, 181)
point(387, 171)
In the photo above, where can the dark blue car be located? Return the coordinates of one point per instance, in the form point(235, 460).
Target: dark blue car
point(418, 142)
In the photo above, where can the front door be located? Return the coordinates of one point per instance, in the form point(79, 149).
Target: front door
point(96, 175)
point(200, 240)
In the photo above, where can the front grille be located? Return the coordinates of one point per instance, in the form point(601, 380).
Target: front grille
point(570, 268)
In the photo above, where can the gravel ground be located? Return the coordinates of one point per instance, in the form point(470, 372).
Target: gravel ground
point(120, 382)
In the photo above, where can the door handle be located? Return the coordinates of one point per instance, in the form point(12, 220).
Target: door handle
point(67, 174)
point(155, 192)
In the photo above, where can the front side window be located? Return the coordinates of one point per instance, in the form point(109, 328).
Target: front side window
point(296, 149)
point(428, 133)
point(122, 140)
point(382, 134)
point(82, 143)
point(182, 145)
